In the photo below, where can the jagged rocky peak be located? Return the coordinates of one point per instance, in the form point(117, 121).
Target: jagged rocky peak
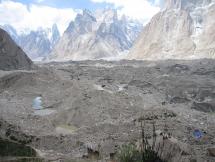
point(12, 57)
point(86, 17)
point(36, 43)
point(96, 35)
point(106, 15)
point(186, 4)
point(82, 24)
point(88, 21)
point(55, 34)
point(87, 14)
point(52, 34)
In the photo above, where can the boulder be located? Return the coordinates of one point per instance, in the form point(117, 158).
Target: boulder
point(211, 151)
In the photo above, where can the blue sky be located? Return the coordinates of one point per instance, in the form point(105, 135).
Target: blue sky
point(32, 14)
point(76, 4)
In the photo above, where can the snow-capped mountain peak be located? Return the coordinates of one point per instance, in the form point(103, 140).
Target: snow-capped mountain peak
point(37, 44)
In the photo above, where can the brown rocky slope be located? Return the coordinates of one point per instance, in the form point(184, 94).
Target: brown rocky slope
point(12, 56)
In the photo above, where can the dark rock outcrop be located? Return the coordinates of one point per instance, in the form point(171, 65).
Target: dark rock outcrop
point(12, 56)
point(211, 151)
point(204, 107)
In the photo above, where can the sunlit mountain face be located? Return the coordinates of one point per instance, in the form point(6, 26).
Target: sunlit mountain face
point(184, 29)
point(100, 35)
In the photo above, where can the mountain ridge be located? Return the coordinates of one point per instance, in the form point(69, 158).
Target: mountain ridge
point(36, 43)
point(183, 30)
point(96, 36)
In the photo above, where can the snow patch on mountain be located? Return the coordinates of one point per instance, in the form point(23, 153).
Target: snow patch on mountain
point(37, 44)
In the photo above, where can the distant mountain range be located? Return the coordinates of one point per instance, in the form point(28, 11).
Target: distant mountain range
point(184, 29)
point(98, 35)
point(37, 44)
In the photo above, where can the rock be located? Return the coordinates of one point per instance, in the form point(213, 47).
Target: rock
point(178, 68)
point(211, 151)
point(157, 114)
point(204, 107)
point(12, 56)
point(176, 100)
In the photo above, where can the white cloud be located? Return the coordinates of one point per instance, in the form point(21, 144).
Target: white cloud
point(138, 9)
point(34, 16)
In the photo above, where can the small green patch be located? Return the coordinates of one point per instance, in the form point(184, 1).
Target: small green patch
point(8, 148)
point(129, 153)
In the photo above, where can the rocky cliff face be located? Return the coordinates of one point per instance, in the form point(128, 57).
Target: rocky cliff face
point(11, 56)
point(96, 36)
point(37, 44)
point(183, 30)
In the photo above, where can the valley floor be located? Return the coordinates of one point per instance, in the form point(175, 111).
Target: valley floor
point(91, 108)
